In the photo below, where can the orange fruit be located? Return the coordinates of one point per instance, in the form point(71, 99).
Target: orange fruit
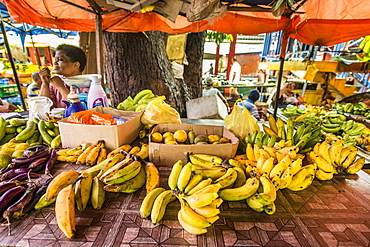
point(167, 134)
point(180, 136)
point(171, 142)
point(169, 139)
point(156, 137)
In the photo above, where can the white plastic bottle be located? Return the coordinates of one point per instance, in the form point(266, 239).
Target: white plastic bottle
point(96, 96)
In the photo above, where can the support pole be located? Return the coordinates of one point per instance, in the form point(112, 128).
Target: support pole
point(12, 63)
point(281, 69)
point(99, 45)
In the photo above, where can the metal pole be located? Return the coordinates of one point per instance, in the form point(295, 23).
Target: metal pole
point(12, 63)
point(281, 69)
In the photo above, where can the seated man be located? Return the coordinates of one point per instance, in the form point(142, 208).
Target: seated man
point(253, 96)
point(34, 88)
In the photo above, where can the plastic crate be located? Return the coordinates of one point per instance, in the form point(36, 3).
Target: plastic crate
point(8, 90)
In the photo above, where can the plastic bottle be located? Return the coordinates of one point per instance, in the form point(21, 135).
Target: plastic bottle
point(96, 96)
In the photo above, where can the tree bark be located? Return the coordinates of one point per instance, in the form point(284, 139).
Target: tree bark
point(137, 61)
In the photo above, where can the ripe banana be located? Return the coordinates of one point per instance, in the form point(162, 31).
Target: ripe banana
point(272, 124)
point(267, 166)
point(60, 182)
point(207, 211)
point(270, 150)
point(270, 209)
point(92, 157)
point(277, 170)
point(83, 190)
point(216, 203)
point(191, 217)
point(144, 151)
point(268, 130)
point(124, 174)
point(213, 173)
point(276, 182)
point(324, 152)
point(241, 193)
point(286, 178)
point(152, 177)
point(174, 175)
point(256, 151)
point(304, 184)
point(194, 181)
point(349, 159)
point(321, 175)
point(335, 152)
point(114, 169)
point(241, 178)
point(268, 193)
point(228, 178)
point(212, 188)
point(210, 158)
point(324, 164)
point(200, 186)
point(65, 211)
point(104, 165)
point(298, 178)
point(160, 205)
point(255, 204)
point(190, 229)
point(82, 158)
point(184, 176)
point(200, 200)
point(102, 155)
point(296, 166)
point(147, 204)
point(125, 147)
point(196, 160)
point(97, 197)
point(356, 166)
point(129, 186)
point(250, 153)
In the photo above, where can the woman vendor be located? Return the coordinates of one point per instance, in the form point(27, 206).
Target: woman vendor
point(288, 97)
point(69, 61)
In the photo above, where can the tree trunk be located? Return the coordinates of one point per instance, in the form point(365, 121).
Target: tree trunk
point(137, 61)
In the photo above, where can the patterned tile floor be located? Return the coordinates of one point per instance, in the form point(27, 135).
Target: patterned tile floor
point(330, 213)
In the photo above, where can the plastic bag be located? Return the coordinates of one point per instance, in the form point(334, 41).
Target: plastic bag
point(91, 118)
point(158, 112)
point(241, 122)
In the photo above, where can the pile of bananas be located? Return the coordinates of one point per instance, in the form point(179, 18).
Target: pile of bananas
point(304, 137)
point(198, 198)
point(335, 159)
point(122, 171)
point(84, 154)
point(138, 103)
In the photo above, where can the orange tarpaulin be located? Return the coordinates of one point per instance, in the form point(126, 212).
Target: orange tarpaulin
point(324, 22)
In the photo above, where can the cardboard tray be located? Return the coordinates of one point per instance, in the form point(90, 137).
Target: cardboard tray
point(114, 135)
point(167, 154)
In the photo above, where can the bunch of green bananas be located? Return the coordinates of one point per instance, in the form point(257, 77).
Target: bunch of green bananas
point(138, 103)
point(356, 109)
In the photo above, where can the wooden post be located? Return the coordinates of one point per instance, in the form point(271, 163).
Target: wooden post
point(99, 45)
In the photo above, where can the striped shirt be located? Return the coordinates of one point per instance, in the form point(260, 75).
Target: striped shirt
point(252, 108)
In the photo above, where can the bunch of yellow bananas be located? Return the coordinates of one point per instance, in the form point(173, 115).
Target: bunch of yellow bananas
point(335, 159)
point(84, 154)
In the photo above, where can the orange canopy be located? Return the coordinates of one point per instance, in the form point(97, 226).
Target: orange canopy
point(322, 23)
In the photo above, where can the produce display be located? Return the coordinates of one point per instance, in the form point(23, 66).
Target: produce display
point(276, 158)
point(355, 109)
point(190, 137)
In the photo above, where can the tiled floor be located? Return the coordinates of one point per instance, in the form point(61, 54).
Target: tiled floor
point(331, 213)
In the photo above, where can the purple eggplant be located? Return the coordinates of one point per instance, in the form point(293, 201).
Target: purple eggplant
point(24, 176)
point(36, 197)
point(9, 197)
point(38, 168)
point(27, 160)
point(50, 163)
point(34, 150)
point(6, 186)
point(22, 170)
point(38, 162)
point(9, 174)
point(26, 198)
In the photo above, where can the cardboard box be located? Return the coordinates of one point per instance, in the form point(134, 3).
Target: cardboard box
point(167, 154)
point(208, 107)
point(114, 135)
